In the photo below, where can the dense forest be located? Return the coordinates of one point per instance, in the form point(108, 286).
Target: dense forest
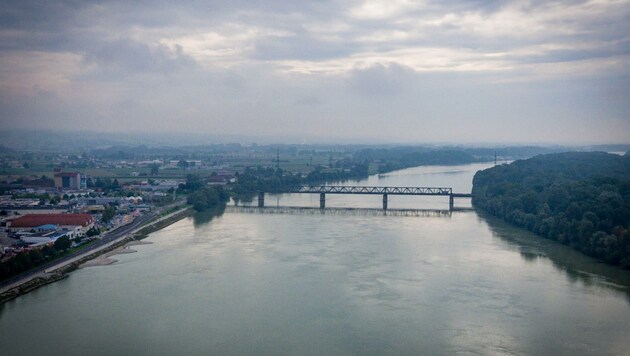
point(581, 199)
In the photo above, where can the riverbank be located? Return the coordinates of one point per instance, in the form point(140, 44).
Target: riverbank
point(106, 258)
point(62, 269)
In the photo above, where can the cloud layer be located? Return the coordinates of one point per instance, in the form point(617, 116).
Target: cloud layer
point(396, 70)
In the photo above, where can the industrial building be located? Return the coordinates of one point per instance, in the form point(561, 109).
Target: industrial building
point(75, 224)
point(70, 180)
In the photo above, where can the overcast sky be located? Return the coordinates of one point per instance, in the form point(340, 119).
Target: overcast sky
point(371, 71)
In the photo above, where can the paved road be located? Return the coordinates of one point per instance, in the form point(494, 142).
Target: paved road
point(107, 238)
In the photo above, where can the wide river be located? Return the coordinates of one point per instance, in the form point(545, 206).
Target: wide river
point(341, 282)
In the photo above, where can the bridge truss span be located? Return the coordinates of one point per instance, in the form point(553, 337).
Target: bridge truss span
point(343, 189)
point(322, 190)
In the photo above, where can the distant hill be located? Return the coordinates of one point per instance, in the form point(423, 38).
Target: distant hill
point(581, 199)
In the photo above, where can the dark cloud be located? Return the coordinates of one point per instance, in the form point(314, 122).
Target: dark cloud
point(134, 57)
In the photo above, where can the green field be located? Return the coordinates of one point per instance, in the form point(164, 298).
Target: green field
point(231, 164)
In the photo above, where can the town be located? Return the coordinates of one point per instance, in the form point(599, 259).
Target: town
point(55, 202)
point(71, 213)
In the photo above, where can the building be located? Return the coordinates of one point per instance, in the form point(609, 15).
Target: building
point(44, 237)
point(32, 206)
point(123, 219)
point(76, 224)
point(100, 201)
point(70, 180)
point(94, 209)
point(221, 179)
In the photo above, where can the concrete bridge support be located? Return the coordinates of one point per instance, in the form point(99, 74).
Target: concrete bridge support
point(261, 199)
point(322, 200)
point(450, 202)
point(384, 201)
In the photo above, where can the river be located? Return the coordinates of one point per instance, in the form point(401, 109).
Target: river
point(342, 282)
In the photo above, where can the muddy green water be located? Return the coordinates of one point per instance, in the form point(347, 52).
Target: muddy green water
point(345, 282)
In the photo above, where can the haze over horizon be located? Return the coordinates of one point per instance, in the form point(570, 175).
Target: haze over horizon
point(393, 71)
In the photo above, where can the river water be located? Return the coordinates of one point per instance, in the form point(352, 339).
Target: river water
point(341, 282)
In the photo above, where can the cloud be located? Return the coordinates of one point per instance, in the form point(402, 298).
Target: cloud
point(134, 57)
point(296, 47)
point(383, 9)
point(373, 68)
point(380, 80)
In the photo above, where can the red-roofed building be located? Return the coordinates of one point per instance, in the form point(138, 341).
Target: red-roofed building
point(78, 224)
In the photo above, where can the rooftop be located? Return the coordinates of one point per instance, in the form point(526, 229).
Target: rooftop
point(66, 174)
point(34, 220)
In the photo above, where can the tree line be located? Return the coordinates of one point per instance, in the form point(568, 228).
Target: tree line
point(34, 257)
point(271, 180)
point(581, 199)
point(391, 159)
point(201, 196)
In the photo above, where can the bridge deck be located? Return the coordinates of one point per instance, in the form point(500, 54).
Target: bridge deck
point(343, 189)
point(462, 195)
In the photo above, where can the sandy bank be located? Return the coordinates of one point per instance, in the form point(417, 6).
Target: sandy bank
point(105, 259)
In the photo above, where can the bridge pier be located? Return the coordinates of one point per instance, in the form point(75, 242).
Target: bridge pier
point(450, 202)
point(384, 201)
point(261, 199)
point(322, 200)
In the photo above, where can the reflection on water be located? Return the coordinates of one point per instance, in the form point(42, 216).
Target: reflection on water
point(339, 211)
point(577, 267)
point(204, 217)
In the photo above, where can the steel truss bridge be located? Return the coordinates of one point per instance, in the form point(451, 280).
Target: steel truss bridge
point(322, 190)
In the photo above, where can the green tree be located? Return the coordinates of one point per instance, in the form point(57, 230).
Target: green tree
point(48, 251)
point(63, 243)
point(155, 168)
point(199, 200)
point(193, 182)
point(108, 214)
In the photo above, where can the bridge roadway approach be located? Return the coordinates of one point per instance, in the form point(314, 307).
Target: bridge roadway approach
point(322, 190)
